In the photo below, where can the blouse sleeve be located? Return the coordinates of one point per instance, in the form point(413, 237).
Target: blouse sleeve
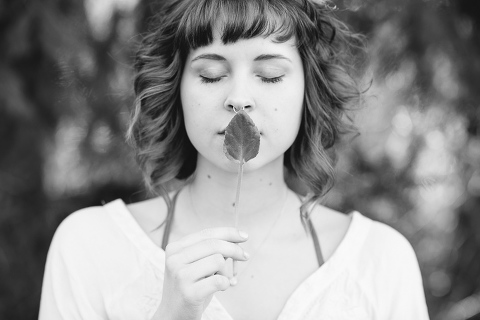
point(69, 290)
point(401, 282)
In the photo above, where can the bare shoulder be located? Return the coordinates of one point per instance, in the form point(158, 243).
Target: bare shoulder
point(331, 227)
point(331, 221)
point(150, 213)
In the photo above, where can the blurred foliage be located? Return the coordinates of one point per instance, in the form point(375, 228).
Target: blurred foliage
point(66, 88)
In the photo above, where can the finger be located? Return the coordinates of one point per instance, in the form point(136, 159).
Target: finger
point(204, 268)
point(210, 285)
point(227, 269)
point(209, 247)
point(224, 233)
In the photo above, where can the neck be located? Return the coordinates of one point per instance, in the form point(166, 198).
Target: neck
point(262, 195)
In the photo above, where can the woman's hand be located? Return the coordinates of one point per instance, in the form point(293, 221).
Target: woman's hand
point(195, 270)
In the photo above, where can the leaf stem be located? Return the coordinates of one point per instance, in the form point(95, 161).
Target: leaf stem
point(237, 205)
point(239, 186)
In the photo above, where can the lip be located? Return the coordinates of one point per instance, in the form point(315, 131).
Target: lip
point(223, 132)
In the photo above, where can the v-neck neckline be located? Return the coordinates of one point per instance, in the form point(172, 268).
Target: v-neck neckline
point(302, 296)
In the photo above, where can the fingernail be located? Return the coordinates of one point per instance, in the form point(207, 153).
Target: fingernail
point(246, 255)
point(243, 234)
point(233, 281)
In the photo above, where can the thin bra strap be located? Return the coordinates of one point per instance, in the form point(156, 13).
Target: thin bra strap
point(168, 225)
point(316, 243)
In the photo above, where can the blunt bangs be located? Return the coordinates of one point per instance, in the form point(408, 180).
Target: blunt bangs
point(235, 20)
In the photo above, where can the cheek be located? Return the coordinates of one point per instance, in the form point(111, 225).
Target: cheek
point(189, 116)
point(191, 104)
point(288, 109)
point(194, 123)
point(197, 99)
point(290, 121)
point(297, 104)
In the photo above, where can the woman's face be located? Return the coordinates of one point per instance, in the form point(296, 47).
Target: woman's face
point(264, 77)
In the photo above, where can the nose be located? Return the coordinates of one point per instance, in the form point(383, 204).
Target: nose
point(239, 98)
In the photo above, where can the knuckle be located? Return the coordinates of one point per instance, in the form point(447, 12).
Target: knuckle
point(170, 263)
point(212, 243)
point(219, 260)
point(239, 251)
point(181, 274)
point(188, 256)
point(170, 249)
point(207, 232)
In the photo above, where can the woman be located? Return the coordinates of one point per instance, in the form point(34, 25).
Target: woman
point(285, 64)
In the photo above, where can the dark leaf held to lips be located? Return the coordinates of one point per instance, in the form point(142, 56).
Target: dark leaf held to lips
point(242, 139)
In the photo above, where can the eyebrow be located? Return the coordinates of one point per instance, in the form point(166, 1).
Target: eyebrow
point(262, 57)
point(209, 56)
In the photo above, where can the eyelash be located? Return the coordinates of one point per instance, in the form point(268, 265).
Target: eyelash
point(264, 80)
point(209, 80)
point(272, 80)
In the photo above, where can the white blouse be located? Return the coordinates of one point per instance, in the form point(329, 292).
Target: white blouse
point(102, 265)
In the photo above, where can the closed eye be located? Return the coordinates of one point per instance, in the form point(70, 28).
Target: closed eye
point(272, 80)
point(209, 80)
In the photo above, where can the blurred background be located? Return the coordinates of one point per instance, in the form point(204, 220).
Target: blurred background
point(66, 92)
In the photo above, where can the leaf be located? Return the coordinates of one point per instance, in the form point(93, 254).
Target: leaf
point(242, 138)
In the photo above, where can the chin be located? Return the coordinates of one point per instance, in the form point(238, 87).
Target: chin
point(259, 163)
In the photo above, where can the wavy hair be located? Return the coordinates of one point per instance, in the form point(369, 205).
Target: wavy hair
point(325, 44)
